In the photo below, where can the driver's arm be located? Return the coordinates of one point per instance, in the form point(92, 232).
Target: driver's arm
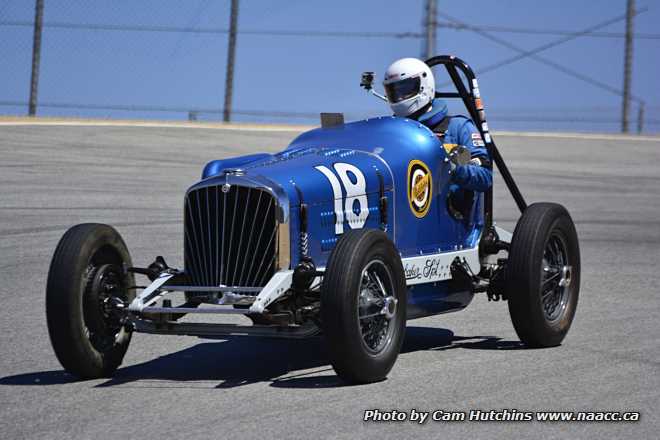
point(476, 175)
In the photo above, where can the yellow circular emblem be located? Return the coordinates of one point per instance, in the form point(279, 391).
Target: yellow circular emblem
point(420, 186)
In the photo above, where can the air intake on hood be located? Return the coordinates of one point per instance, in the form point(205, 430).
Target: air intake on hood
point(230, 236)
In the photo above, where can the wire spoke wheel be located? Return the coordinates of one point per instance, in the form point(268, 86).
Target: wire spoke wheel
point(543, 275)
point(376, 306)
point(363, 306)
point(556, 278)
point(103, 306)
point(86, 296)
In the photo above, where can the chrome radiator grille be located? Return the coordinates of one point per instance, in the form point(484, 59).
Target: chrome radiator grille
point(230, 236)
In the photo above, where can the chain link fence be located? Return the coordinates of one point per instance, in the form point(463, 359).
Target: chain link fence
point(166, 59)
point(114, 62)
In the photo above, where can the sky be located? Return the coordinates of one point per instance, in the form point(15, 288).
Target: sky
point(310, 74)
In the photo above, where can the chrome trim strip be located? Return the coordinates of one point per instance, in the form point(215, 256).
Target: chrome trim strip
point(283, 247)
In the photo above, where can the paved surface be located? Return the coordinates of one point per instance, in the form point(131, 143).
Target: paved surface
point(182, 387)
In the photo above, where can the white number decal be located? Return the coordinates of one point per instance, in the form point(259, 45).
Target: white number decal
point(355, 186)
point(336, 189)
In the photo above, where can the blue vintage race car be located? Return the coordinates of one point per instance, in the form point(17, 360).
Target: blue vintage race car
point(348, 232)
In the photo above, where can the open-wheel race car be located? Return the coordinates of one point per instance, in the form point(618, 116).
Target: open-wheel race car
point(348, 233)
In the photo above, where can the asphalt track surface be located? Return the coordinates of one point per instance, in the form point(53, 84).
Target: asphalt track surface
point(183, 387)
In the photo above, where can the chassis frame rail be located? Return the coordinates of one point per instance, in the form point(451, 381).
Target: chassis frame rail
point(215, 330)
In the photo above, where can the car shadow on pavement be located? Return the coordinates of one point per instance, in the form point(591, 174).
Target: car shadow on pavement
point(429, 338)
point(241, 361)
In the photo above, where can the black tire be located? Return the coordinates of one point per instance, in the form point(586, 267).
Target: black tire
point(87, 336)
point(357, 358)
point(544, 251)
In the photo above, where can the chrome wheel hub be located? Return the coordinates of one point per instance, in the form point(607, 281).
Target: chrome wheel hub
point(389, 307)
point(565, 279)
point(377, 306)
point(103, 306)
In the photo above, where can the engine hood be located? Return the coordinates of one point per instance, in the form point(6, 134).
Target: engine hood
point(349, 177)
point(301, 173)
point(378, 147)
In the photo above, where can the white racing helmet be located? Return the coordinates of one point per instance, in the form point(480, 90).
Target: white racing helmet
point(409, 86)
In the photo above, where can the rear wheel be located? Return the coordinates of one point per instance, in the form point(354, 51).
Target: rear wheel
point(86, 292)
point(543, 275)
point(363, 306)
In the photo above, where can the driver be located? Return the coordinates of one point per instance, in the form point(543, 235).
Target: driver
point(410, 89)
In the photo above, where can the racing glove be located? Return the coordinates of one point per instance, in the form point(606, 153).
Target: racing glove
point(473, 176)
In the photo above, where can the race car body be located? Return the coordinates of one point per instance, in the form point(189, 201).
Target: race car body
point(385, 173)
point(350, 231)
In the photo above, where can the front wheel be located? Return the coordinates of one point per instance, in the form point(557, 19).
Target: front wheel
point(86, 292)
point(363, 306)
point(543, 275)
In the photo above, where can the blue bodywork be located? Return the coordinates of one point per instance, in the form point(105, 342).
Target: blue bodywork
point(383, 150)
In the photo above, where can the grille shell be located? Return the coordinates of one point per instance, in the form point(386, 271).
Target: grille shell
point(230, 236)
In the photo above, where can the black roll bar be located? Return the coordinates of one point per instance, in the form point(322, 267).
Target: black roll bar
point(471, 97)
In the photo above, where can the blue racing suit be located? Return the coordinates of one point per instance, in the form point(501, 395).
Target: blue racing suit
point(459, 130)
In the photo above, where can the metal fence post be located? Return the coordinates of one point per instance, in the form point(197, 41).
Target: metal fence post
point(430, 26)
point(36, 57)
point(640, 118)
point(627, 65)
point(231, 52)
